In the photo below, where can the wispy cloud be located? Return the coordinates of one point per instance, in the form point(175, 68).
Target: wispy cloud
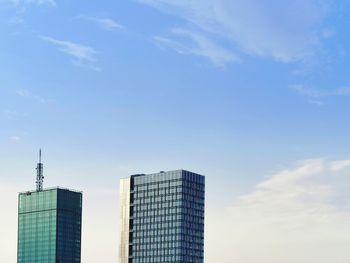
point(286, 31)
point(104, 22)
point(27, 94)
point(289, 217)
point(13, 114)
point(75, 50)
point(15, 138)
point(316, 102)
point(82, 64)
point(41, 2)
point(23, 3)
point(22, 93)
point(22, 6)
point(188, 42)
point(83, 56)
point(16, 20)
point(319, 93)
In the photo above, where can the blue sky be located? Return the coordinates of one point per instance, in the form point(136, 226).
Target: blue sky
point(236, 90)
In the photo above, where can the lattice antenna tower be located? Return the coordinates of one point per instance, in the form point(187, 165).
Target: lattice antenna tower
point(39, 174)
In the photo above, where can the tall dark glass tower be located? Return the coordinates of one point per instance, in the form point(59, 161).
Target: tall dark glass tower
point(49, 225)
point(162, 218)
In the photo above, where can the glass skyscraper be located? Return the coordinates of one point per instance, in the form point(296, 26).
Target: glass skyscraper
point(49, 226)
point(162, 218)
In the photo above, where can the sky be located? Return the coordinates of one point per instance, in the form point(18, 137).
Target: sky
point(253, 94)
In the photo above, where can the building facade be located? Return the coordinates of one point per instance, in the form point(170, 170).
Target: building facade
point(49, 226)
point(162, 218)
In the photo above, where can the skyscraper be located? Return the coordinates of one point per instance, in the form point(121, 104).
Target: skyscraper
point(49, 224)
point(162, 218)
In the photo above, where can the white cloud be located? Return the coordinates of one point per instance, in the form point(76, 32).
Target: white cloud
point(284, 30)
point(291, 217)
point(340, 165)
point(105, 23)
point(12, 114)
point(81, 64)
point(316, 102)
point(16, 20)
point(75, 50)
point(318, 93)
point(83, 56)
point(27, 94)
point(23, 93)
point(22, 3)
point(41, 2)
point(198, 45)
point(22, 6)
point(15, 138)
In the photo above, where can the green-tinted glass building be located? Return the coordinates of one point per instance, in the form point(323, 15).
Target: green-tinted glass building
point(49, 226)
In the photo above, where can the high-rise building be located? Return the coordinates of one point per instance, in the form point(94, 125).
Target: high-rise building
point(49, 225)
point(162, 218)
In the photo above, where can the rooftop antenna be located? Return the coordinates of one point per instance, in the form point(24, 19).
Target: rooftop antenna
point(39, 174)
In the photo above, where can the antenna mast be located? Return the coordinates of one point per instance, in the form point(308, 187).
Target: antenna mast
point(39, 174)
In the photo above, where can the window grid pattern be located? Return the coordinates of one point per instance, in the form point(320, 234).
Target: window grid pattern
point(69, 226)
point(167, 218)
point(37, 227)
point(48, 221)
